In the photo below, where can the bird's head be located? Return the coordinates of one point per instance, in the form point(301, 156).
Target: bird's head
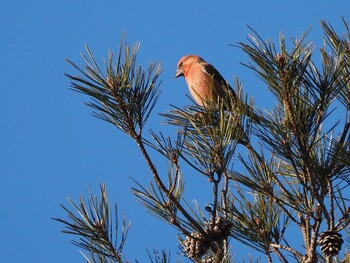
point(185, 63)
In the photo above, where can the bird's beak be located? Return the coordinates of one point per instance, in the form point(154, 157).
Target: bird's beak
point(178, 73)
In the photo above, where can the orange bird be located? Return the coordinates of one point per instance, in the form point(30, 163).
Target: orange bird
point(204, 81)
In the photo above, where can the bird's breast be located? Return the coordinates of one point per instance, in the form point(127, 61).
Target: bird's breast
point(201, 89)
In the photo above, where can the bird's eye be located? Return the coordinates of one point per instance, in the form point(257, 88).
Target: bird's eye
point(180, 65)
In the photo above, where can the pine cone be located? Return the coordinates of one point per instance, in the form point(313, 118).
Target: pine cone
point(219, 230)
point(330, 242)
point(194, 247)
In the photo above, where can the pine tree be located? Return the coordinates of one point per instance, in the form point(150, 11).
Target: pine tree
point(296, 159)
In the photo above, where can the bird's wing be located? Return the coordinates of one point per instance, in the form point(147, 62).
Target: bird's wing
point(217, 77)
point(212, 71)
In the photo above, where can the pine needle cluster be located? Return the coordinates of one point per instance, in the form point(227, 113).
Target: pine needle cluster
point(296, 158)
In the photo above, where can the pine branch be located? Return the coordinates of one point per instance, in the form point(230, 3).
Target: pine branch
point(307, 164)
point(163, 188)
point(126, 96)
point(211, 135)
point(96, 227)
point(298, 255)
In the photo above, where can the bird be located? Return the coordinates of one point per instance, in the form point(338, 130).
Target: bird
point(208, 87)
point(204, 81)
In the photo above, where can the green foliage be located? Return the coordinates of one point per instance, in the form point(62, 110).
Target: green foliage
point(97, 228)
point(125, 95)
point(295, 156)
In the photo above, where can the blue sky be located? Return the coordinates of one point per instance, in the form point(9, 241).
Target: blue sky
point(51, 146)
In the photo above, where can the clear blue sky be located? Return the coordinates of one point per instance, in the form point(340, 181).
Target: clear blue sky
point(51, 147)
